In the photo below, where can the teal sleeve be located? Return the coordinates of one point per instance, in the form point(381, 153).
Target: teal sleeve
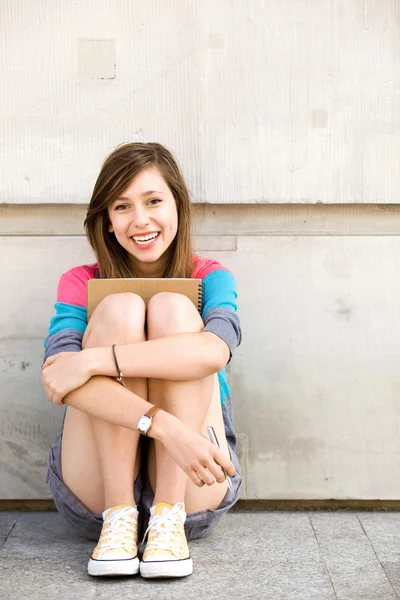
point(219, 312)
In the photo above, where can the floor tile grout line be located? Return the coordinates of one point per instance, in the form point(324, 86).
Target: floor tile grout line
point(322, 556)
point(11, 530)
point(377, 557)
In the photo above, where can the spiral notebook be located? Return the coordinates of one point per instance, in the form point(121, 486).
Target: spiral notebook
point(98, 289)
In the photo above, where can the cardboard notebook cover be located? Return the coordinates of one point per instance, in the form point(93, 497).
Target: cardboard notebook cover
point(98, 289)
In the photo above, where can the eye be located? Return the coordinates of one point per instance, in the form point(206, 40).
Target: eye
point(121, 207)
point(154, 201)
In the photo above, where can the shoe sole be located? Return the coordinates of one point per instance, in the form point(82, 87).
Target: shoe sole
point(171, 568)
point(113, 568)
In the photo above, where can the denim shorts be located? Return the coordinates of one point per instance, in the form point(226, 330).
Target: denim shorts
point(197, 525)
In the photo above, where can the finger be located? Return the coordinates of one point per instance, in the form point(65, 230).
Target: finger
point(58, 399)
point(195, 477)
point(199, 479)
point(49, 361)
point(205, 475)
point(213, 478)
point(217, 472)
point(52, 396)
point(222, 460)
point(46, 378)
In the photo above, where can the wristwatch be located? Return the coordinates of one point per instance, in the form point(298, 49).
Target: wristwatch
point(145, 422)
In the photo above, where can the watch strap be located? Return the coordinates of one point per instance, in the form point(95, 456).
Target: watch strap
point(152, 411)
point(150, 414)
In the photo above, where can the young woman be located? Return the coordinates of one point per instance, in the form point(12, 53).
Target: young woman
point(170, 361)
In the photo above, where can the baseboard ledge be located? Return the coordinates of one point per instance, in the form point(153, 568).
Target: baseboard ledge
point(38, 505)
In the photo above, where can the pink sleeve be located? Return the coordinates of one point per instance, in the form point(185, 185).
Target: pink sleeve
point(72, 285)
point(204, 266)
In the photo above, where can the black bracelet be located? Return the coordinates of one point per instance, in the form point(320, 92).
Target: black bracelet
point(120, 376)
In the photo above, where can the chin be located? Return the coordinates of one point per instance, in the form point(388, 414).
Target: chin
point(147, 259)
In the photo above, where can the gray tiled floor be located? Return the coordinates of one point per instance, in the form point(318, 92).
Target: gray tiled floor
point(265, 555)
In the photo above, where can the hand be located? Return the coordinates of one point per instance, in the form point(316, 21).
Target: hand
point(63, 373)
point(195, 454)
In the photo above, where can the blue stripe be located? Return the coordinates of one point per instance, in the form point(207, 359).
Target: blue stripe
point(68, 316)
point(223, 386)
point(219, 291)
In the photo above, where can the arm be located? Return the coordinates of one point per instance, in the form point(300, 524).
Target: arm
point(189, 449)
point(183, 356)
point(179, 357)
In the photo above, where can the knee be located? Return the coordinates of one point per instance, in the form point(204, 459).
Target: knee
point(119, 313)
point(169, 313)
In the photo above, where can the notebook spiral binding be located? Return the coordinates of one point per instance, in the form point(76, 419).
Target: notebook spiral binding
point(200, 297)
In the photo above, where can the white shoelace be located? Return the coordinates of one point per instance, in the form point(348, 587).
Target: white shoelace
point(120, 531)
point(164, 527)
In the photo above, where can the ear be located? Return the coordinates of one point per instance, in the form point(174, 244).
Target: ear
point(110, 228)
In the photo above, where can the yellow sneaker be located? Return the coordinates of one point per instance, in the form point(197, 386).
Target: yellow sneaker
point(116, 550)
point(166, 553)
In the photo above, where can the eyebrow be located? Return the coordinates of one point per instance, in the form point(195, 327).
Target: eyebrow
point(143, 194)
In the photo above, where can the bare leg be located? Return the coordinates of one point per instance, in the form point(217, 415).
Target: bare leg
point(190, 401)
point(106, 475)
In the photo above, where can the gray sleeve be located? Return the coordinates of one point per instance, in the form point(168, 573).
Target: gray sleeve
point(68, 340)
point(225, 324)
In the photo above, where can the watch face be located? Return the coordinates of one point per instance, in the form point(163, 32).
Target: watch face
point(144, 424)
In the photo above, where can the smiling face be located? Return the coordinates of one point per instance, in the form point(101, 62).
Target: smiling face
point(144, 220)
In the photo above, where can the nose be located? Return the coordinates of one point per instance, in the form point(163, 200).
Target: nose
point(141, 217)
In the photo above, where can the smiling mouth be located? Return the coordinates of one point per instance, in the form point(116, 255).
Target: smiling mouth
point(145, 240)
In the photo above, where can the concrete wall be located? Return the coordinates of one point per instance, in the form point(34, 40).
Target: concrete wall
point(285, 117)
point(262, 100)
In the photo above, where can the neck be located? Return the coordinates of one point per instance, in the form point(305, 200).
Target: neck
point(155, 269)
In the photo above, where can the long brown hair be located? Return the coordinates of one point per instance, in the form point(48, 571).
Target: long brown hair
point(117, 172)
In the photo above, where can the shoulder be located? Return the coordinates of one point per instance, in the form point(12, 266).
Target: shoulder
point(72, 285)
point(205, 266)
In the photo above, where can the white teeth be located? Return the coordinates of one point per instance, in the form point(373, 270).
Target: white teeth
point(145, 239)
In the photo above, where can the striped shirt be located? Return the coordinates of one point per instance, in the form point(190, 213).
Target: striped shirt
point(219, 310)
